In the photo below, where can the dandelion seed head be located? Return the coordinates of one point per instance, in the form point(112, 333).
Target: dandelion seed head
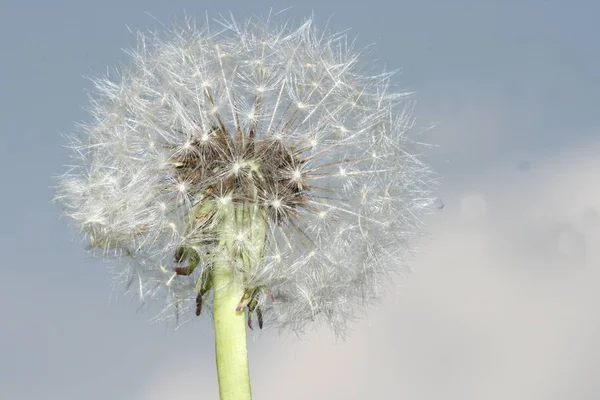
point(284, 124)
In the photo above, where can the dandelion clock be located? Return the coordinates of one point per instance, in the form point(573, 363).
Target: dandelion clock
point(256, 172)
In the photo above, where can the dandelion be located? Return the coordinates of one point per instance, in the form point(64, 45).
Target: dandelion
point(258, 172)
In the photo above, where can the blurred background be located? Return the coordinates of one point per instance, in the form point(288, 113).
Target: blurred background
point(503, 302)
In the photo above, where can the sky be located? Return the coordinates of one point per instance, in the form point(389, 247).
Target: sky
point(503, 301)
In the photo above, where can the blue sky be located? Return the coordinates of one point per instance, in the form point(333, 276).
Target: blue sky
point(502, 303)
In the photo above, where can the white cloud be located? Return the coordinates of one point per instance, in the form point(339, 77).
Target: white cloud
point(474, 206)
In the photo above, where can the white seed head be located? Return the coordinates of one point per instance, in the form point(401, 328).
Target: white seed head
point(285, 122)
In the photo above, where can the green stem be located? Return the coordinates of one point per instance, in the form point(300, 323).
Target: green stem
point(230, 336)
point(235, 254)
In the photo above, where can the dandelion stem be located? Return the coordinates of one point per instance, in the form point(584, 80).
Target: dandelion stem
point(230, 336)
point(242, 234)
